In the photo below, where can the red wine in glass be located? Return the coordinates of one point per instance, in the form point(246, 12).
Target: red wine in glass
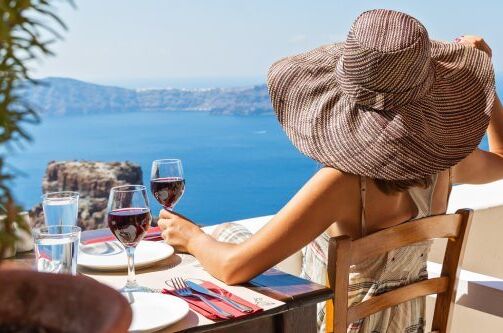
point(129, 225)
point(167, 191)
point(167, 182)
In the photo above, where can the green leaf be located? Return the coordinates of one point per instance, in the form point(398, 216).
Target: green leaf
point(22, 25)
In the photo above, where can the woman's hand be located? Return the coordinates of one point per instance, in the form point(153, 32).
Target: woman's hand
point(475, 41)
point(177, 230)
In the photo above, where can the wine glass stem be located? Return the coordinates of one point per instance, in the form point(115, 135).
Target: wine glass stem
point(131, 278)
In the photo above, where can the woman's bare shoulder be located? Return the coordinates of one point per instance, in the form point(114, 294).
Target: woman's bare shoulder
point(343, 180)
point(332, 173)
point(332, 185)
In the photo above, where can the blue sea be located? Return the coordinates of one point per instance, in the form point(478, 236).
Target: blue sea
point(235, 167)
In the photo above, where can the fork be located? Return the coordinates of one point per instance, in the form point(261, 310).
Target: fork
point(181, 289)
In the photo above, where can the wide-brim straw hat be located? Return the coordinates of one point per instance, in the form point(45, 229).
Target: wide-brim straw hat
point(388, 103)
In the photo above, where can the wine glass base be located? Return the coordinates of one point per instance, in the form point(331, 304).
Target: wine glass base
point(136, 289)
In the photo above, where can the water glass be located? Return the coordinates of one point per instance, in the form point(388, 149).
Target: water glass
point(60, 208)
point(56, 248)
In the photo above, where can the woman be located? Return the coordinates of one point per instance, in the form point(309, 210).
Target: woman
point(396, 119)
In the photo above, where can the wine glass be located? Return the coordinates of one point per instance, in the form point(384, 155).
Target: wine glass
point(129, 219)
point(166, 182)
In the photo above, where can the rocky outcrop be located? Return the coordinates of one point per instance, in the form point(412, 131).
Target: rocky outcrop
point(93, 180)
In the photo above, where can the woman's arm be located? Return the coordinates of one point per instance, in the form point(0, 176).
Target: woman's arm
point(327, 197)
point(495, 129)
point(481, 166)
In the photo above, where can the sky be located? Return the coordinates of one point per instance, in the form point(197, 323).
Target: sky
point(159, 43)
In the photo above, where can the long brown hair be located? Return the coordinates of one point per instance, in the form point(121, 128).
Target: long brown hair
point(395, 186)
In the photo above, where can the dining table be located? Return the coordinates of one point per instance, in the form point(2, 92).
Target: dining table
point(288, 302)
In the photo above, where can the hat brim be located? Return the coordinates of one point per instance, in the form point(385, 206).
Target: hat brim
point(412, 141)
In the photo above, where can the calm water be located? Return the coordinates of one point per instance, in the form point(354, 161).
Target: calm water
point(235, 167)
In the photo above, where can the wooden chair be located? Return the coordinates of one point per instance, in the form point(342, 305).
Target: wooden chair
point(343, 252)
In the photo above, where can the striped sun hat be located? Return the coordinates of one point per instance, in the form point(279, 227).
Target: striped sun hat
point(389, 103)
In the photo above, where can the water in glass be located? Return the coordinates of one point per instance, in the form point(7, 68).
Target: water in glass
point(56, 249)
point(60, 208)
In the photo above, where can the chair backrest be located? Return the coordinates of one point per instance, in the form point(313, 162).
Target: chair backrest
point(343, 252)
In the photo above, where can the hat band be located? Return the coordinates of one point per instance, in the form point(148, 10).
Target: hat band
point(381, 100)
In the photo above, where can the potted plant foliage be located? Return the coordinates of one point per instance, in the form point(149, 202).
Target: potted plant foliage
point(32, 301)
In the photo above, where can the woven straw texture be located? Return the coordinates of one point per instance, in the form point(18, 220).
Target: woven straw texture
point(389, 103)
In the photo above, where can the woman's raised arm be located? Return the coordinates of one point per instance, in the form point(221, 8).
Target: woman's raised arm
point(481, 166)
point(495, 129)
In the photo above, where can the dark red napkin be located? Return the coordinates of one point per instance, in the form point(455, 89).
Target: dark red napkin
point(199, 306)
point(153, 234)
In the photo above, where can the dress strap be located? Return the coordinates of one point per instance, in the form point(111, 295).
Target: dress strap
point(450, 185)
point(363, 194)
point(423, 198)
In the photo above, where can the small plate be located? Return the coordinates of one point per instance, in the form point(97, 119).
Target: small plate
point(153, 311)
point(112, 256)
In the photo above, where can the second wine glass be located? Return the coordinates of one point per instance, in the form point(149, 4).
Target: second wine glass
point(167, 182)
point(129, 219)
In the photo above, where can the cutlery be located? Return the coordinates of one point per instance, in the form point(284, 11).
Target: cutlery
point(202, 290)
point(181, 289)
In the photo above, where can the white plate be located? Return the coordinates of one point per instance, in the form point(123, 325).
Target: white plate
point(112, 256)
point(153, 311)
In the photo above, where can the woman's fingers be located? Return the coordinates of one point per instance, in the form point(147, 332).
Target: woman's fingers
point(165, 214)
point(161, 223)
point(164, 224)
point(476, 42)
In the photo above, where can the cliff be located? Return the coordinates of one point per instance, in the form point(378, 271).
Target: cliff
point(60, 96)
point(93, 180)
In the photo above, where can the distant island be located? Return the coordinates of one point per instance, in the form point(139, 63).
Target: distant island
point(63, 96)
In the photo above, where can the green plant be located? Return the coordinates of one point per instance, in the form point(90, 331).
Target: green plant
point(27, 30)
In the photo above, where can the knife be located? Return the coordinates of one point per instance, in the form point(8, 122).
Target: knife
point(202, 290)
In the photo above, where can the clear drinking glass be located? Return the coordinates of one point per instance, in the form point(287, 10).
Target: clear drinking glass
point(56, 248)
point(60, 208)
point(129, 219)
point(166, 182)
